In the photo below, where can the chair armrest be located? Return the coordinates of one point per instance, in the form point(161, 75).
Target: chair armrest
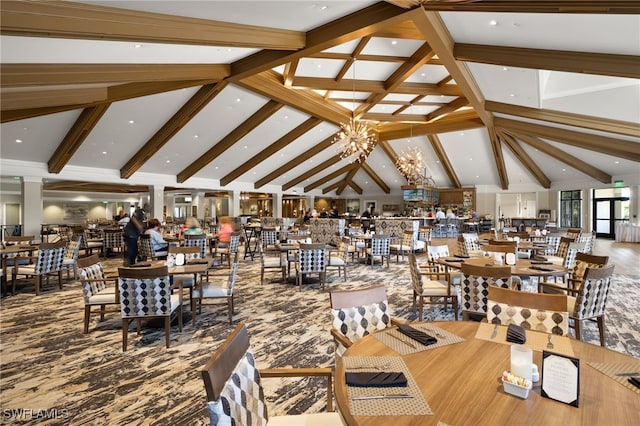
point(399, 321)
point(557, 287)
point(341, 338)
point(434, 270)
point(304, 372)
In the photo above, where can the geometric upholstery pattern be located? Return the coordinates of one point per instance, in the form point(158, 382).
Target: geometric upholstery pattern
point(323, 229)
point(475, 286)
point(380, 246)
point(113, 240)
point(311, 259)
point(70, 258)
point(213, 290)
point(278, 262)
point(241, 401)
point(197, 240)
point(406, 245)
point(532, 311)
point(430, 282)
point(49, 261)
point(146, 293)
point(356, 322)
point(146, 251)
point(95, 289)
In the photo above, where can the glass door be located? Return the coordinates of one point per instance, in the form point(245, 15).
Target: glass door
point(607, 213)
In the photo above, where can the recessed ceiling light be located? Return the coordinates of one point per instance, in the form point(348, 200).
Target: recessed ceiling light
point(512, 95)
point(245, 147)
point(617, 162)
point(505, 69)
point(131, 121)
point(438, 162)
point(470, 159)
point(394, 42)
point(168, 161)
point(324, 7)
point(493, 22)
point(196, 136)
point(104, 152)
point(461, 133)
point(477, 177)
point(238, 100)
point(564, 170)
point(137, 46)
point(18, 140)
point(217, 167)
point(422, 74)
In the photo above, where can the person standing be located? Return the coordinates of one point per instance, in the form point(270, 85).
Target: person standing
point(132, 231)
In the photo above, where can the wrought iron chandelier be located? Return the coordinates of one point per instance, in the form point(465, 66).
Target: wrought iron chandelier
point(355, 139)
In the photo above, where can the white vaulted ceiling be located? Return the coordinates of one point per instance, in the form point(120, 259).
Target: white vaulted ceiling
point(496, 93)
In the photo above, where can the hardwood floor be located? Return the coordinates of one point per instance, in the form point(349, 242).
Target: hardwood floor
point(626, 256)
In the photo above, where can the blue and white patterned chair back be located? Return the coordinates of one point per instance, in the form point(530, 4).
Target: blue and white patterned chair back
point(238, 400)
point(113, 239)
point(356, 313)
point(380, 245)
point(90, 288)
point(591, 299)
point(475, 286)
point(552, 242)
point(436, 252)
point(197, 240)
point(50, 258)
point(312, 258)
point(269, 238)
point(533, 311)
point(71, 250)
point(149, 296)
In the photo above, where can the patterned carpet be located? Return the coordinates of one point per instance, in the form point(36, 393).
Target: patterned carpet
point(49, 364)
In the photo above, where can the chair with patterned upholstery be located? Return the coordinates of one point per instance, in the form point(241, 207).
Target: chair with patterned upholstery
point(380, 246)
point(146, 251)
point(574, 233)
point(442, 251)
point(70, 259)
point(216, 291)
point(184, 255)
point(424, 234)
point(404, 246)
point(93, 240)
point(588, 302)
point(269, 239)
point(274, 262)
point(358, 312)
point(48, 262)
point(581, 261)
point(146, 293)
point(560, 255)
point(311, 259)
point(468, 244)
point(95, 288)
point(197, 240)
point(113, 241)
point(230, 250)
point(475, 287)
point(533, 311)
point(338, 257)
point(430, 283)
point(235, 395)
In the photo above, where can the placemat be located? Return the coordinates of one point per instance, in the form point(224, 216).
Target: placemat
point(612, 368)
point(405, 345)
point(535, 340)
point(414, 406)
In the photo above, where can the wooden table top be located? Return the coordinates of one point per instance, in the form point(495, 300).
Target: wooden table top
point(461, 382)
point(521, 268)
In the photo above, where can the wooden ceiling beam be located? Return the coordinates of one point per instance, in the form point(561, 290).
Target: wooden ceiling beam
point(115, 93)
point(561, 156)
point(28, 75)
point(496, 147)
point(531, 6)
point(554, 60)
point(227, 142)
point(449, 123)
point(446, 109)
point(606, 145)
point(41, 18)
point(338, 186)
point(95, 187)
point(270, 150)
point(369, 170)
point(352, 58)
point(346, 85)
point(356, 25)
point(338, 56)
point(444, 160)
point(329, 177)
point(24, 99)
point(315, 149)
point(608, 125)
point(311, 172)
point(180, 119)
point(76, 136)
point(525, 159)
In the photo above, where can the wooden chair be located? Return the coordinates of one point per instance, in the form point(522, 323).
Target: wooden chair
point(380, 246)
point(95, 288)
point(146, 293)
point(436, 252)
point(430, 282)
point(311, 259)
point(234, 390)
point(146, 251)
point(229, 250)
point(358, 312)
point(533, 311)
point(197, 240)
point(48, 262)
point(475, 287)
point(189, 281)
point(216, 291)
point(404, 246)
point(338, 257)
point(113, 241)
point(269, 239)
point(271, 262)
point(93, 240)
point(576, 276)
point(70, 259)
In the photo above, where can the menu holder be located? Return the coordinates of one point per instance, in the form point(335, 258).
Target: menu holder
point(560, 378)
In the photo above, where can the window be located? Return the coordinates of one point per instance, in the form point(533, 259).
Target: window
point(570, 209)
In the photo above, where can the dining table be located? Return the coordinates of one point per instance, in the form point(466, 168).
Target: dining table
point(458, 380)
point(522, 267)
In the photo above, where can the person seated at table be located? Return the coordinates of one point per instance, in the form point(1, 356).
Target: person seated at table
point(124, 220)
point(157, 242)
point(440, 214)
point(225, 231)
point(473, 214)
point(450, 214)
point(192, 226)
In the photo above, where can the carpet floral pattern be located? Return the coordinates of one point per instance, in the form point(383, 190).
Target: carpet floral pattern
point(49, 364)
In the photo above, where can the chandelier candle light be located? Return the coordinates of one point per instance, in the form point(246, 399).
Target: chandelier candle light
point(410, 164)
point(354, 141)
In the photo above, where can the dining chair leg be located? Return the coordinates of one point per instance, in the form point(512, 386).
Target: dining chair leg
point(87, 315)
point(167, 330)
point(600, 320)
point(577, 329)
point(37, 280)
point(125, 326)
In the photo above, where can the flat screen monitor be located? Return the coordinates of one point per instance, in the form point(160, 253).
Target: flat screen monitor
point(416, 194)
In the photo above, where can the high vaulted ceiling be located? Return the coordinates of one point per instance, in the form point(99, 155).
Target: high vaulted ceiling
point(249, 94)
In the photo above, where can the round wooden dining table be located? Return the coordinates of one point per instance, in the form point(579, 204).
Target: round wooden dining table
point(461, 383)
point(523, 267)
